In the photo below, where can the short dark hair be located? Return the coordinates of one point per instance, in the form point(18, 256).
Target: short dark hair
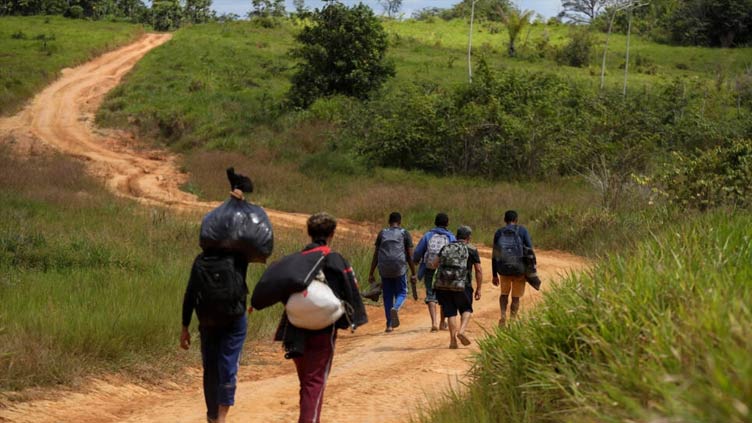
point(510, 216)
point(442, 220)
point(464, 232)
point(321, 225)
point(395, 217)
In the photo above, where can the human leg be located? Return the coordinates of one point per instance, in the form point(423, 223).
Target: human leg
point(401, 292)
point(452, 331)
point(231, 347)
point(518, 290)
point(210, 362)
point(388, 287)
point(431, 298)
point(313, 370)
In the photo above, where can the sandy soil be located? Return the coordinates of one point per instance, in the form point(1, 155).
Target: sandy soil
point(377, 377)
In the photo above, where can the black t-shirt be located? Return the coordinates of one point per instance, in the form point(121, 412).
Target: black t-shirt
point(473, 258)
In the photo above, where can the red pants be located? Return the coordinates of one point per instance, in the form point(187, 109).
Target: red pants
point(313, 370)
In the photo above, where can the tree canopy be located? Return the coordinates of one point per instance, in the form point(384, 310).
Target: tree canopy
point(342, 51)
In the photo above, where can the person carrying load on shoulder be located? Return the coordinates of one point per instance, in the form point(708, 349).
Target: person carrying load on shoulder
point(320, 292)
point(232, 235)
point(393, 255)
point(453, 283)
point(509, 270)
point(425, 253)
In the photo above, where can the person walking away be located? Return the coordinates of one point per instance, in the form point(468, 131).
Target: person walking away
point(217, 292)
point(425, 254)
point(393, 255)
point(453, 283)
point(313, 350)
point(508, 264)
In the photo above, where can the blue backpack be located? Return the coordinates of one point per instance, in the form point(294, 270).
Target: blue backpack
point(509, 251)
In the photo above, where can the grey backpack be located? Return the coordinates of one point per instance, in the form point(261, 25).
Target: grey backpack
point(392, 256)
point(452, 273)
point(436, 242)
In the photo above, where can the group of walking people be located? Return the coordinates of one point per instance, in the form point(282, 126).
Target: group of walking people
point(446, 261)
point(217, 292)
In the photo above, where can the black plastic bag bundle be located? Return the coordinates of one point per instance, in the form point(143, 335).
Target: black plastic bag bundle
point(237, 226)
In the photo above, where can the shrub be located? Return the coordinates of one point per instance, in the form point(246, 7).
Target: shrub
point(166, 14)
point(720, 176)
point(578, 51)
point(343, 51)
point(75, 12)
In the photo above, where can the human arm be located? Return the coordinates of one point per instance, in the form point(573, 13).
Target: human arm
point(189, 302)
point(374, 260)
point(494, 268)
point(478, 279)
point(420, 250)
point(409, 255)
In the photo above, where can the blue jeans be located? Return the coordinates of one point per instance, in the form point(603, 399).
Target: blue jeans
point(395, 293)
point(220, 355)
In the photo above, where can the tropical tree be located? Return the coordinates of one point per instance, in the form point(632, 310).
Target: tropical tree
point(197, 11)
point(582, 11)
point(391, 7)
point(267, 8)
point(515, 20)
point(342, 51)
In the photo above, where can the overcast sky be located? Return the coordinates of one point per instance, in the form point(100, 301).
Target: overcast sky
point(546, 8)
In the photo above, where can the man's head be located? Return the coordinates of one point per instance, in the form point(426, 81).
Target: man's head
point(463, 233)
point(395, 217)
point(321, 226)
point(510, 216)
point(442, 220)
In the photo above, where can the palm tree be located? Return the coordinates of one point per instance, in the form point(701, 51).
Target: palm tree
point(515, 20)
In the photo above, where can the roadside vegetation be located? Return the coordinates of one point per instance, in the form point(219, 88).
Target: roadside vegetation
point(35, 49)
point(429, 141)
point(661, 333)
point(91, 283)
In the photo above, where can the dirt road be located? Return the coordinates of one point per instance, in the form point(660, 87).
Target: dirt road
point(377, 377)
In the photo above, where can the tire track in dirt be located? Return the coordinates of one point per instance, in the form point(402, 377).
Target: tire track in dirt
point(376, 377)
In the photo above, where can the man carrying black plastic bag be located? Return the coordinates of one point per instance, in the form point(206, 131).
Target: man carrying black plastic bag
point(232, 235)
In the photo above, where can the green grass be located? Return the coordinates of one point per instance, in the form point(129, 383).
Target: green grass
point(34, 49)
point(659, 334)
point(90, 283)
point(217, 87)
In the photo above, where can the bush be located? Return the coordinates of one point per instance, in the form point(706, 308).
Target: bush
point(166, 15)
point(579, 51)
point(721, 176)
point(75, 12)
point(343, 51)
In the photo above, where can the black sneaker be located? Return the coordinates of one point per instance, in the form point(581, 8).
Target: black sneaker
point(395, 318)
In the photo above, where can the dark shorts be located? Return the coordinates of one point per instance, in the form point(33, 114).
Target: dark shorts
point(453, 302)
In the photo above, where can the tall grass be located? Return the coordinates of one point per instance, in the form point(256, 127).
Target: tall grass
point(658, 335)
point(35, 49)
point(92, 283)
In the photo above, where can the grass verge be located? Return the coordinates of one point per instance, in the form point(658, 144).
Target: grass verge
point(91, 283)
point(660, 334)
point(34, 49)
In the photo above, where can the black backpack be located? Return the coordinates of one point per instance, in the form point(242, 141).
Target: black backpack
point(509, 252)
point(219, 288)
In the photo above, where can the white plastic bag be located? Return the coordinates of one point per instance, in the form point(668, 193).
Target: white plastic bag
point(315, 308)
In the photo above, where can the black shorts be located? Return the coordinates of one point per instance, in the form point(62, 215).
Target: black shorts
point(453, 302)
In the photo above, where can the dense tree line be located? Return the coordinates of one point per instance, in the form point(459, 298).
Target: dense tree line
point(711, 23)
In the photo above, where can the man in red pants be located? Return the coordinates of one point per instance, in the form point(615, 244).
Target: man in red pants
point(313, 350)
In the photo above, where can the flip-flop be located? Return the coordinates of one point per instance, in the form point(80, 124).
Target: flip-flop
point(434, 329)
point(394, 314)
point(464, 339)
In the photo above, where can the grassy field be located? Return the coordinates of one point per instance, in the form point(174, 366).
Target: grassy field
point(660, 334)
point(213, 93)
point(92, 283)
point(34, 49)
